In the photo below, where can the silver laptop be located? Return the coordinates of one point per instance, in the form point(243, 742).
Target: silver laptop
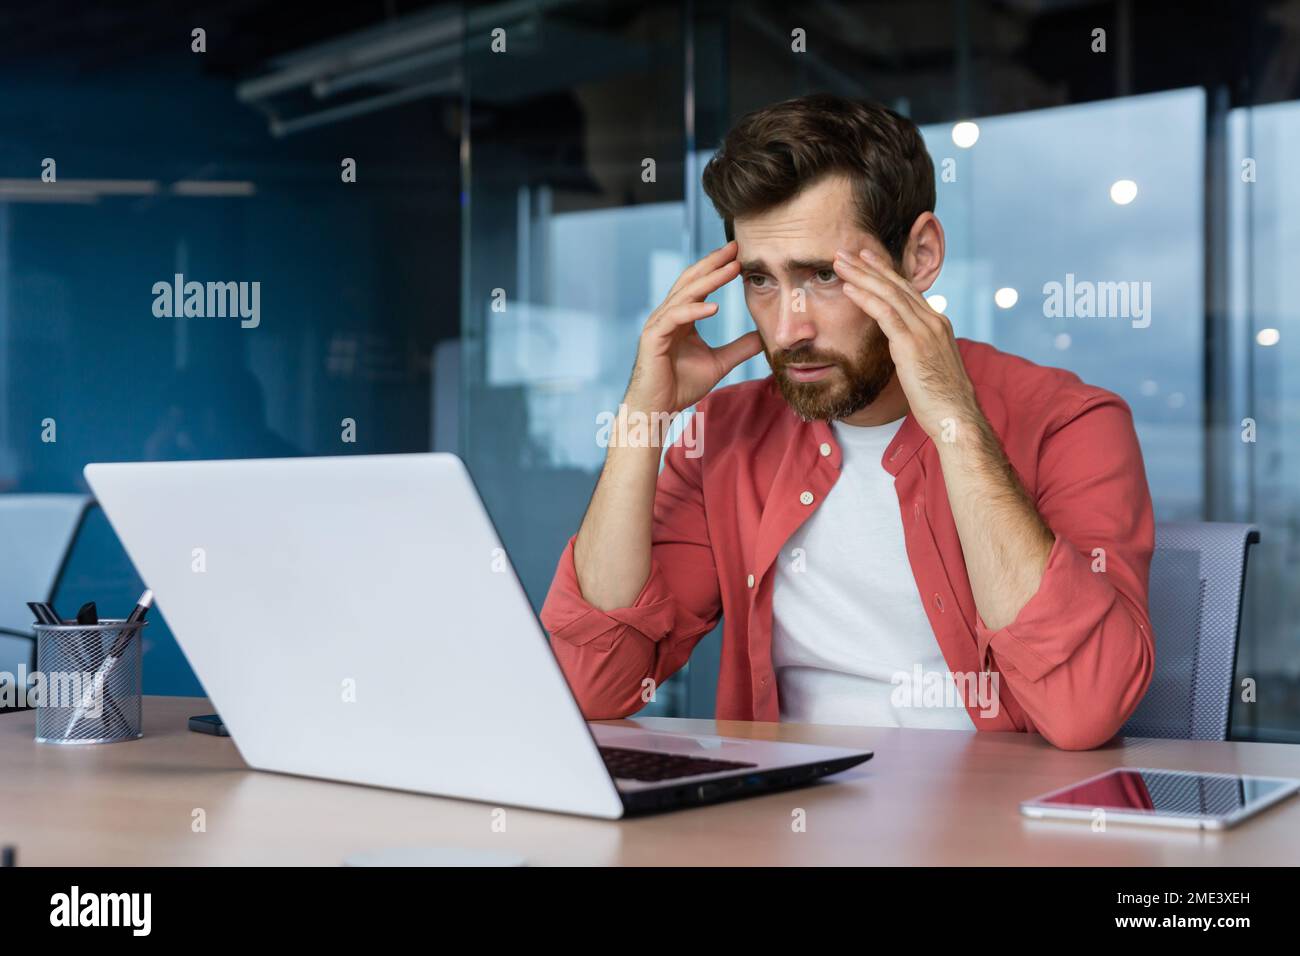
point(356, 619)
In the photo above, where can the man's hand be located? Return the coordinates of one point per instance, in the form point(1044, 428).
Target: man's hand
point(675, 368)
point(921, 342)
point(1004, 540)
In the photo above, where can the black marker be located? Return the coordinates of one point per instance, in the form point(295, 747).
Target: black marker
point(44, 613)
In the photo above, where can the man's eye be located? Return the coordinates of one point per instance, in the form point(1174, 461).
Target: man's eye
point(757, 281)
point(826, 275)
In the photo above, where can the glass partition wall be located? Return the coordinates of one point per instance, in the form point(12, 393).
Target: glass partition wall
point(1074, 147)
point(575, 225)
point(268, 163)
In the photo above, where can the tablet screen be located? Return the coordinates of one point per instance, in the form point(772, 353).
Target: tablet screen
point(1166, 792)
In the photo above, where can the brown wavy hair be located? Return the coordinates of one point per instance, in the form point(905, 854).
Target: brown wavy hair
point(772, 154)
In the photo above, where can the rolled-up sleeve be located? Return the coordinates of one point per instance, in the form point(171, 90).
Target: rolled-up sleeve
point(615, 660)
point(1079, 655)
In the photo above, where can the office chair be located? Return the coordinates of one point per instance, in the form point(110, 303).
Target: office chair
point(36, 537)
point(1198, 578)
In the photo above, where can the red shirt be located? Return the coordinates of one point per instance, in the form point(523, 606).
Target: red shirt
point(1074, 663)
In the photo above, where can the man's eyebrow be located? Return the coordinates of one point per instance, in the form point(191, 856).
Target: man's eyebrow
point(808, 265)
point(791, 265)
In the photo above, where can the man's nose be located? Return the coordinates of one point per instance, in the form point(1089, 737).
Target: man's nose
point(794, 323)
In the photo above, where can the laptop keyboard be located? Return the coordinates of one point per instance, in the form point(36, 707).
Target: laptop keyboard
point(651, 765)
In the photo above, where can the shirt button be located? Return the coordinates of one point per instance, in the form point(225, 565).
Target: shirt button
point(750, 581)
point(916, 509)
point(806, 498)
point(938, 602)
point(825, 450)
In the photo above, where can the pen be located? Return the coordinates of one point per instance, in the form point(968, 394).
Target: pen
point(123, 638)
point(135, 617)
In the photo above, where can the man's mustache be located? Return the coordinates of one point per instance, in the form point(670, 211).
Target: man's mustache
point(804, 356)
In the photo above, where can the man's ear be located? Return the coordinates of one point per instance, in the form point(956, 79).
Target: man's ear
point(923, 255)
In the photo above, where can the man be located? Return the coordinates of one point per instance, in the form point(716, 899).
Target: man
point(897, 527)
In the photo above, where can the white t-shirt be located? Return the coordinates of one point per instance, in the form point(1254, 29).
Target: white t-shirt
point(848, 626)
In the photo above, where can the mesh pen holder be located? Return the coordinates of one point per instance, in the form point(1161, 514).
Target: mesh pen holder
point(88, 698)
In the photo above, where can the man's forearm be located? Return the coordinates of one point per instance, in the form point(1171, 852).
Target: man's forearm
point(1004, 540)
point(612, 552)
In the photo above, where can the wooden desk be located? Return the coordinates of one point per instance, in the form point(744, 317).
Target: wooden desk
point(928, 797)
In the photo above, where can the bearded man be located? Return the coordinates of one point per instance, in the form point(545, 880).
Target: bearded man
point(897, 527)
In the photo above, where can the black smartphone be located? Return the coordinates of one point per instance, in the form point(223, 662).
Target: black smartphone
point(209, 724)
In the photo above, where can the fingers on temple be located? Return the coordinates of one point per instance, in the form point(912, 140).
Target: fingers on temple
point(906, 288)
point(706, 284)
point(875, 284)
point(884, 312)
point(683, 313)
point(713, 261)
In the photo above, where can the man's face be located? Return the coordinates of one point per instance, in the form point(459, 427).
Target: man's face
point(830, 358)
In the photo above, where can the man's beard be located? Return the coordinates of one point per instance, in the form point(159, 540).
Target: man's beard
point(863, 377)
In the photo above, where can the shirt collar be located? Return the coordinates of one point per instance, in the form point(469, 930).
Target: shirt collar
point(906, 443)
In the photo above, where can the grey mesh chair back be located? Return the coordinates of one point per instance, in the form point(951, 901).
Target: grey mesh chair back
point(1198, 577)
point(36, 536)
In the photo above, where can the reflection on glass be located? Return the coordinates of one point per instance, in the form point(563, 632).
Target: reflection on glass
point(1114, 293)
point(1259, 463)
point(1166, 792)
